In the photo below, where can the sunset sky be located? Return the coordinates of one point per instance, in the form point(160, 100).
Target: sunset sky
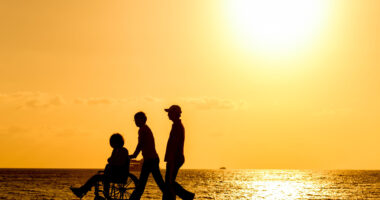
point(262, 84)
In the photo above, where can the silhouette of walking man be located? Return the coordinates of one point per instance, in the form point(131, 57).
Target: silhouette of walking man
point(151, 159)
point(174, 155)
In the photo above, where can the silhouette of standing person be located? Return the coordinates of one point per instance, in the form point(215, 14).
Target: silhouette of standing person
point(174, 155)
point(151, 159)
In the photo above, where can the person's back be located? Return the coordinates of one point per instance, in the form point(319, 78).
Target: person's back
point(117, 168)
point(119, 157)
point(148, 146)
point(174, 148)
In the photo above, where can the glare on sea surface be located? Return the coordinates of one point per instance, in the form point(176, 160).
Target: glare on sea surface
point(284, 188)
point(276, 26)
point(278, 189)
point(276, 184)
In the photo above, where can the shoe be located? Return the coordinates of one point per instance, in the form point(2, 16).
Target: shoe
point(191, 197)
point(78, 192)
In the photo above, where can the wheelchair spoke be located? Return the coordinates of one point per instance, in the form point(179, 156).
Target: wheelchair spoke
point(117, 191)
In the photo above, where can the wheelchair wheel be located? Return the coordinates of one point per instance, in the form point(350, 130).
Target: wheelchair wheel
point(117, 191)
point(123, 191)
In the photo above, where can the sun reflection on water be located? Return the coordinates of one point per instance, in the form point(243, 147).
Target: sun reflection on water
point(279, 189)
point(289, 186)
point(273, 184)
point(295, 184)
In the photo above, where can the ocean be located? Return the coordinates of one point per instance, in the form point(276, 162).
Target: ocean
point(207, 184)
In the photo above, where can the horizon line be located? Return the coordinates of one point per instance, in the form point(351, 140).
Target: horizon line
point(74, 168)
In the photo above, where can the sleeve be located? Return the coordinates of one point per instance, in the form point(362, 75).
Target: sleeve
point(178, 141)
point(181, 140)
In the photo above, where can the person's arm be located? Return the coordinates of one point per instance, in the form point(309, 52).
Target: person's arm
point(138, 149)
point(111, 158)
point(180, 141)
point(177, 143)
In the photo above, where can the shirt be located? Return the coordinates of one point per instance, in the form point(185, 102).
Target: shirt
point(119, 157)
point(174, 148)
point(146, 143)
point(118, 165)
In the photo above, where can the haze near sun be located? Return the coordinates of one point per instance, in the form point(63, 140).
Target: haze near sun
point(276, 27)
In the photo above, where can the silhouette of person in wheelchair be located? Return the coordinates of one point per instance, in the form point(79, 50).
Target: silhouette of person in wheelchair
point(115, 181)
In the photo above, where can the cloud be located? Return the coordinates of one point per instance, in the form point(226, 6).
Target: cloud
point(12, 130)
point(95, 101)
point(216, 134)
point(2, 96)
point(45, 100)
point(207, 103)
point(109, 101)
point(332, 112)
point(33, 99)
point(150, 99)
point(67, 132)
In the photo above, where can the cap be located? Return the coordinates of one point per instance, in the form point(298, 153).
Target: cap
point(174, 108)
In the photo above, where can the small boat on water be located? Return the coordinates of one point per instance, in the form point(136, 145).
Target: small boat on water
point(223, 168)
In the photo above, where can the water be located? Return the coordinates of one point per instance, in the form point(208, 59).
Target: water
point(207, 184)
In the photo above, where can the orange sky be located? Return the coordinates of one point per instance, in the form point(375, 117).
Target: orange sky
point(74, 72)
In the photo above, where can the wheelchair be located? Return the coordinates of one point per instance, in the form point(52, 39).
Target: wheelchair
point(118, 190)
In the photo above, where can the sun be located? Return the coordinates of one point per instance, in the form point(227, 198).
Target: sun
point(276, 26)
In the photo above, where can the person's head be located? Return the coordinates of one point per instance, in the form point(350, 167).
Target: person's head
point(140, 119)
point(174, 112)
point(116, 140)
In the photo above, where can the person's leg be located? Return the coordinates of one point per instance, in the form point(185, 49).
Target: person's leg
point(144, 174)
point(169, 175)
point(176, 167)
point(157, 175)
point(182, 193)
point(81, 191)
point(91, 182)
point(178, 189)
